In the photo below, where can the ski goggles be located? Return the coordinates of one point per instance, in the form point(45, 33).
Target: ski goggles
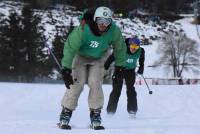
point(134, 46)
point(103, 21)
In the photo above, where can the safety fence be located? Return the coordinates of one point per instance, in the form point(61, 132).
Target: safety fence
point(167, 81)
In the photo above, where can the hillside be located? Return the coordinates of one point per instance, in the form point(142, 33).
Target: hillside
point(148, 29)
point(143, 27)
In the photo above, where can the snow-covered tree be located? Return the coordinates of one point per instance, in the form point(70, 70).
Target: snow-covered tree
point(178, 53)
point(62, 33)
point(33, 42)
point(10, 38)
point(22, 43)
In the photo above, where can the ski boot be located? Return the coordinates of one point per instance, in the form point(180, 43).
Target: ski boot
point(110, 110)
point(110, 114)
point(132, 114)
point(65, 117)
point(95, 118)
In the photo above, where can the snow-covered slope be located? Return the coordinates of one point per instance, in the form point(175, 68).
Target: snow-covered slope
point(152, 31)
point(63, 15)
point(191, 29)
point(35, 109)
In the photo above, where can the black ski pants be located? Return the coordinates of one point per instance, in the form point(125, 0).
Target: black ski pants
point(117, 83)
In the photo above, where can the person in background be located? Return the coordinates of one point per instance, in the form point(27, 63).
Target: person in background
point(134, 54)
point(87, 48)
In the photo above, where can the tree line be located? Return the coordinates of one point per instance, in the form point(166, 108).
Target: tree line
point(125, 6)
point(23, 51)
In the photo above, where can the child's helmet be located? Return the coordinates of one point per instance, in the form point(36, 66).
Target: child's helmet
point(134, 40)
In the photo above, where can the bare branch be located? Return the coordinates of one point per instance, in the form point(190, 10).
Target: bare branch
point(178, 54)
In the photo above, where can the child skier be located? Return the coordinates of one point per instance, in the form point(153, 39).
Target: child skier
point(134, 53)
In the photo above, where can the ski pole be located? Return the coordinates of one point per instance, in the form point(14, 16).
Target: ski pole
point(54, 57)
point(150, 92)
point(56, 60)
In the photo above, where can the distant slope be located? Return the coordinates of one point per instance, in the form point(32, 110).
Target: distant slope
point(144, 28)
point(62, 15)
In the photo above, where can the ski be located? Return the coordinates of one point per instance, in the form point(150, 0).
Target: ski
point(68, 127)
point(132, 115)
point(97, 127)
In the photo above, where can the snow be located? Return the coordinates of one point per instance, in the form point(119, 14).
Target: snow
point(191, 29)
point(35, 109)
point(152, 55)
point(62, 15)
point(171, 109)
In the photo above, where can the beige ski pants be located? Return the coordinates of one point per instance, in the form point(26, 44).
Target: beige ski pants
point(90, 71)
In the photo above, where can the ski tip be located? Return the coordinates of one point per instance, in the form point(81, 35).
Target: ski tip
point(132, 115)
point(67, 127)
point(97, 127)
point(110, 113)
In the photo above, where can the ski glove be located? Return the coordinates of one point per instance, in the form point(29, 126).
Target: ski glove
point(67, 77)
point(106, 66)
point(140, 70)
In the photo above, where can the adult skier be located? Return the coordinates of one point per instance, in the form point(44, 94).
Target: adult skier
point(134, 53)
point(85, 52)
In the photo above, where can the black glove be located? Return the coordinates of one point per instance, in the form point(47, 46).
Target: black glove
point(106, 66)
point(67, 77)
point(118, 73)
point(140, 70)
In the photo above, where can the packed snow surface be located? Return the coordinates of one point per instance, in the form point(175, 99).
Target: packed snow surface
point(35, 109)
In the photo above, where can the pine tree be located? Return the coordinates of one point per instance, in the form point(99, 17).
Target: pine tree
point(39, 4)
point(33, 42)
point(10, 45)
point(62, 33)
